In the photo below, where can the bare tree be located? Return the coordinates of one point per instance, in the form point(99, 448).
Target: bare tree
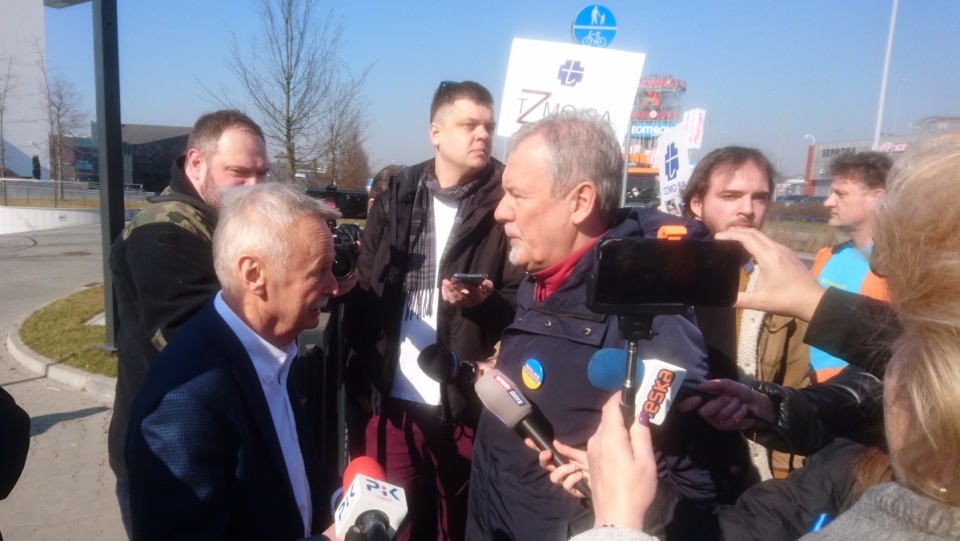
point(61, 102)
point(8, 83)
point(294, 77)
point(347, 164)
point(338, 143)
point(66, 118)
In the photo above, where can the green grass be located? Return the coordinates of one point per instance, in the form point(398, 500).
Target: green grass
point(57, 331)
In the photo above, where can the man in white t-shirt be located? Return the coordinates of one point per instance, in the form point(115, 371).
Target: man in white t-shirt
point(434, 220)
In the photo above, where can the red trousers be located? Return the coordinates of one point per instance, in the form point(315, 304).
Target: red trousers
point(431, 464)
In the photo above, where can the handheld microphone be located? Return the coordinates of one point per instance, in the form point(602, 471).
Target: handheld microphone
point(439, 362)
point(502, 397)
point(369, 502)
point(437, 359)
point(659, 384)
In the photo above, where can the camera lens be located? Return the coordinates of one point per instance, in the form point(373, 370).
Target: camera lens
point(344, 262)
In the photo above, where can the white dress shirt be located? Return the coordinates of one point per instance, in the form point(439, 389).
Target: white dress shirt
point(273, 367)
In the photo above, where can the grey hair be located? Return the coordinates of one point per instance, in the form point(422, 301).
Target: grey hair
point(257, 220)
point(580, 147)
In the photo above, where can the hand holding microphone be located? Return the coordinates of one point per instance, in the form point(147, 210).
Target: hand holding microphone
point(503, 398)
point(737, 406)
point(623, 469)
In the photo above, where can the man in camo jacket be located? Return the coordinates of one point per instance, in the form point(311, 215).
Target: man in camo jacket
point(162, 264)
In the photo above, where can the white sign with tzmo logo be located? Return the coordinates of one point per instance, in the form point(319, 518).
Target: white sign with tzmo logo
point(672, 157)
point(546, 77)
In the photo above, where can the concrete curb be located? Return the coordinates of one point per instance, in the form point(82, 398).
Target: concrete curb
point(101, 387)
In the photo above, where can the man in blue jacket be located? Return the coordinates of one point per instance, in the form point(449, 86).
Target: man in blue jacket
point(562, 183)
point(218, 445)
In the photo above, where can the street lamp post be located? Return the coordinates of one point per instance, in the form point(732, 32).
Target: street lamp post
point(783, 120)
point(109, 141)
point(896, 115)
point(886, 71)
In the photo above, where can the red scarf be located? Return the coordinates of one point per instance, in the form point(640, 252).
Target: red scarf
point(551, 278)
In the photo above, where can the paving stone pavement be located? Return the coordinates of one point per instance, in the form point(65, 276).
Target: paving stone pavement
point(66, 490)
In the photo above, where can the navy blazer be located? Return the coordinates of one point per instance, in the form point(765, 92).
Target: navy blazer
point(202, 452)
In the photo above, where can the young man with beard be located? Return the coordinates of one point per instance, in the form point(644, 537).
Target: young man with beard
point(731, 188)
point(434, 220)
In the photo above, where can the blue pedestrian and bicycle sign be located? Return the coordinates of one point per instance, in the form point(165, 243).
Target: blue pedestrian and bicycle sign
point(594, 26)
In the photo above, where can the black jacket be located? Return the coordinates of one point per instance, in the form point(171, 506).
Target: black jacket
point(162, 267)
point(849, 404)
point(14, 442)
point(784, 509)
point(858, 330)
point(817, 420)
point(205, 460)
point(374, 309)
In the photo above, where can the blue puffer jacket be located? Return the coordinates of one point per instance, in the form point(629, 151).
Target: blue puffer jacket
point(511, 497)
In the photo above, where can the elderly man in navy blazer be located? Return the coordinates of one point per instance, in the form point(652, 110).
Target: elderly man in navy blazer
point(218, 446)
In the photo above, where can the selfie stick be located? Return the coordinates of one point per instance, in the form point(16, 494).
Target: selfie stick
point(632, 329)
point(640, 327)
point(628, 393)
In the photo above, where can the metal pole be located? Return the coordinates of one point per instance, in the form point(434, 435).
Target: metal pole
point(896, 115)
point(110, 147)
point(883, 82)
point(783, 120)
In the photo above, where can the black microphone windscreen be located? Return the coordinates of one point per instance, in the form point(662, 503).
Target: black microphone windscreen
point(437, 361)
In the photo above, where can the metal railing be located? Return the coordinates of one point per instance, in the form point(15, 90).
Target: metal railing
point(62, 194)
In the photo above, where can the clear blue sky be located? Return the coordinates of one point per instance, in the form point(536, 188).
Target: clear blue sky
point(811, 67)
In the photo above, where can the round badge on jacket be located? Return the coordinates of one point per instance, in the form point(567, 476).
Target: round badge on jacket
point(532, 374)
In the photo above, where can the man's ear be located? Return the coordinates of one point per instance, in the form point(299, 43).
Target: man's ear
point(434, 134)
point(252, 275)
point(192, 165)
point(696, 207)
point(583, 202)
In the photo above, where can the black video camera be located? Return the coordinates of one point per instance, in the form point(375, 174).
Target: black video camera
point(345, 237)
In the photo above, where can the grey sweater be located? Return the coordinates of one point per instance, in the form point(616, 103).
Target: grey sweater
point(893, 512)
point(887, 512)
